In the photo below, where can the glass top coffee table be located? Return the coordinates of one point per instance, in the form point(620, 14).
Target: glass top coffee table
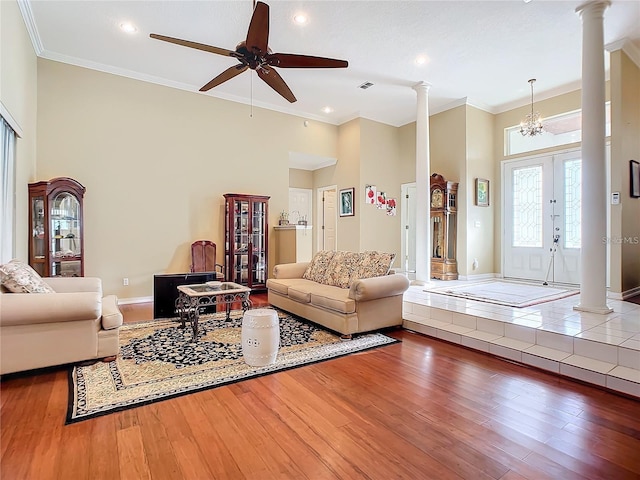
point(192, 297)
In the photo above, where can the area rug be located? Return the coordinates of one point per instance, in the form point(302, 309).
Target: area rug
point(159, 361)
point(510, 294)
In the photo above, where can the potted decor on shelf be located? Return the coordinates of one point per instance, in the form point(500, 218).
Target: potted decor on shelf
point(284, 218)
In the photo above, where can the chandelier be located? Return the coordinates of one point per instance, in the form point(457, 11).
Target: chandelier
point(532, 125)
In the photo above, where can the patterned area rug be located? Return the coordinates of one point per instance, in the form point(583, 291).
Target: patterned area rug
point(505, 293)
point(159, 361)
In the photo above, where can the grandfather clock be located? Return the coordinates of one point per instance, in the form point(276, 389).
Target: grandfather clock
point(444, 212)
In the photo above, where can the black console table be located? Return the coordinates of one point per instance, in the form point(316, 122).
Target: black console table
point(165, 291)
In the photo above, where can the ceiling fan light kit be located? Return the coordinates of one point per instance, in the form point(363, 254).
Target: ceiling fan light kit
point(254, 53)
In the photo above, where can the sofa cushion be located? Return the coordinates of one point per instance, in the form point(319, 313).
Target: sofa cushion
point(18, 277)
point(281, 285)
point(333, 298)
point(317, 269)
point(301, 292)
point(347, 267)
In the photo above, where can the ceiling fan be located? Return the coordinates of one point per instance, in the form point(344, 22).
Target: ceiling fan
point(254, 53)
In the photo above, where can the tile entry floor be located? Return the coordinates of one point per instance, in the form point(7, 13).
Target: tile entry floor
point(599, 349)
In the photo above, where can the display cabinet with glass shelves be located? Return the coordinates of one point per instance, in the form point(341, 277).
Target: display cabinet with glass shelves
point(246, 239)
point(56, 246)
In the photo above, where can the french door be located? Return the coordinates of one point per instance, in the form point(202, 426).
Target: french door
point(542, 202)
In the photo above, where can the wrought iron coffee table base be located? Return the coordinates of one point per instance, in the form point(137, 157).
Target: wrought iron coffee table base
point(189, 302)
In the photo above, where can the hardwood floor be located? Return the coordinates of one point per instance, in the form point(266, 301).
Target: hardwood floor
point(419, 409)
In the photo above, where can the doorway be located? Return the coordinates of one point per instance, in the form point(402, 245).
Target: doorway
point(542, 208)
point(327, 218)
point(408, 228)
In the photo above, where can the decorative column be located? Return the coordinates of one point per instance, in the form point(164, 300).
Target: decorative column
point(423, 235)
point(593, 254)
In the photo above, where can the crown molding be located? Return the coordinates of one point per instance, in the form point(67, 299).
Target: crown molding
point(13, 123)
point(627, 47)
point(56, 57)
point(30, 23)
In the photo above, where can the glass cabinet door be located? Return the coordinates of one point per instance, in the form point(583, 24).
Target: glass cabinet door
point(437, 236)
point(38, 241)
point(258, 243)
point(66, 245)
point(241, 241)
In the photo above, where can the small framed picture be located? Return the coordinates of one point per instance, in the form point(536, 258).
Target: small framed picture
point(346, 202)
point(482, 192)
point(634, 174)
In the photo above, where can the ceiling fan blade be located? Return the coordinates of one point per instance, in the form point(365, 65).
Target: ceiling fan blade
point(290, 60)
point(228, 74)
point(199, 46)
point(275, 81)
point(258, 34)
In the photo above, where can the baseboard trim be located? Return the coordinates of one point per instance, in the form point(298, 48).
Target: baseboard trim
point(479, 276)
point(624, 295)
point(128, 301)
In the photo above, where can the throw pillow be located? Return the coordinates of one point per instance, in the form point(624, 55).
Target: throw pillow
point(347, 267)
point(18, 277)
point(317, 269)
point(343, 269)
point(375, 264)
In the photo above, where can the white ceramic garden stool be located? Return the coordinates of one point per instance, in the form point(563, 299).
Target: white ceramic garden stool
point(260, 337)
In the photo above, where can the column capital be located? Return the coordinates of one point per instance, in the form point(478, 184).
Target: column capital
point(594, 7)
point(422, 87)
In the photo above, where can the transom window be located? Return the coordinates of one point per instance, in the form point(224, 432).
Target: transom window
point(559, 130)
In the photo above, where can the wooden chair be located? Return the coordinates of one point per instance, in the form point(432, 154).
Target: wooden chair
point(203, 258)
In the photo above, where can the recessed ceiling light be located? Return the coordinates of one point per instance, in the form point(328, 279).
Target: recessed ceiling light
point(128, 27)
point(300, 18)
point(421, 60)
point(327, 109)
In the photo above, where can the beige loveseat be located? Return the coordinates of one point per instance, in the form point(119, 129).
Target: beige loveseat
point(44, 329)
point(346, 292)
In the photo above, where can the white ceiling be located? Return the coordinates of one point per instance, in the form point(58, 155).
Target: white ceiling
point(481, 52)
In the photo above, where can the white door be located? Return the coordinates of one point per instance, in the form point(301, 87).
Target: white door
point(566, 217)
point(327, 218)
point(408, 226)
point(542, 218)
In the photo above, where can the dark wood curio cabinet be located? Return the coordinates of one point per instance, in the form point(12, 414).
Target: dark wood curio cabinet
point(444, 211)
point(56, 245)
point(246, 239)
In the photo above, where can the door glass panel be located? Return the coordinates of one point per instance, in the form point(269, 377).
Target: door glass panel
point(527, 206)
point(437, 234)
point(451, 239)
point(572, 202)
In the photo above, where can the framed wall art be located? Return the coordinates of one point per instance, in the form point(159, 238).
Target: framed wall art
point(634, 178)
point(346, 202)
point(482, 192)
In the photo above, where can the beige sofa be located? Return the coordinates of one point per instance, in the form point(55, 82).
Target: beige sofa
point(333, 295)
point(43, 329)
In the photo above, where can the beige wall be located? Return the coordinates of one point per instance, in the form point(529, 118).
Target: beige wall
point(379, 155)
point(625, 146)
point(479, 235)
point(18, 94)
point(448, 150)
point(300, 178)
point(156, 162)
point(345, 174)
